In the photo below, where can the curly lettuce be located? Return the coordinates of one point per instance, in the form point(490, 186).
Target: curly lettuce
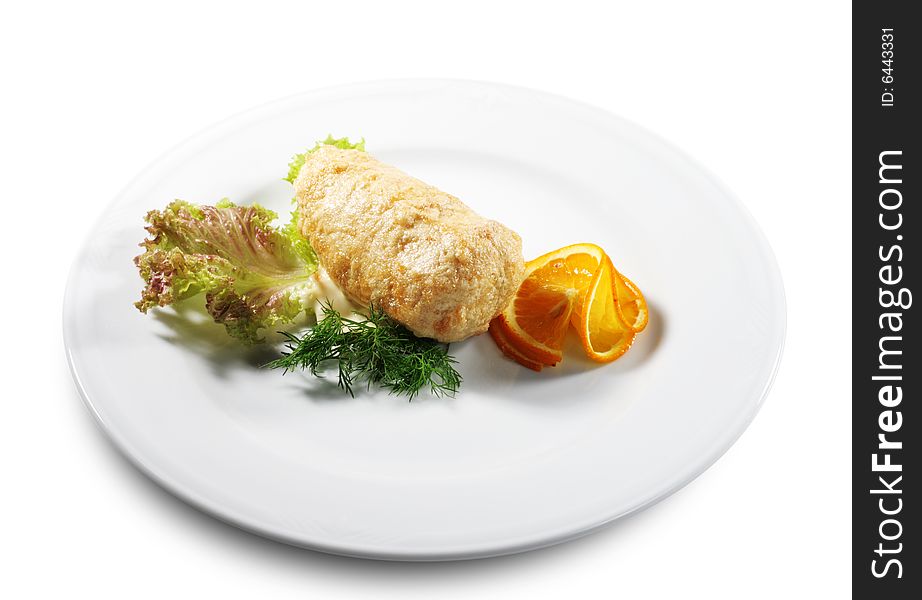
point(297, 161)
point(253, 274)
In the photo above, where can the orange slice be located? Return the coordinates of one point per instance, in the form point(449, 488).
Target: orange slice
point(631, 305)
point(574, 286)
point(536, 321)
point(498, 334)
point(602, 328)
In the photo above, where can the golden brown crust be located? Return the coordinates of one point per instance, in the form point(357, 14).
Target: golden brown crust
point(422, 255)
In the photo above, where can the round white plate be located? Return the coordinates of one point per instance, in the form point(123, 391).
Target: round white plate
point(518, 459)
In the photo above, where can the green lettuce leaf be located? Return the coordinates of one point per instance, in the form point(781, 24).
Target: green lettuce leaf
point(252, 273)
point(298, 160)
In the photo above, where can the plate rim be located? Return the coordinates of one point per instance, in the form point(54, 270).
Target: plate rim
point(536, 541)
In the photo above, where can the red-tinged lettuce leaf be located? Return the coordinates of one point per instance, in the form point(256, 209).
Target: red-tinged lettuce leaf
point(253, 275)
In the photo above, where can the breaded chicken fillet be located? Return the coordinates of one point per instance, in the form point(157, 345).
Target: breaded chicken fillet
point(421, 255)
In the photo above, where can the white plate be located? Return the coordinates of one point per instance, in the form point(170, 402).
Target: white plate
point(518, 460)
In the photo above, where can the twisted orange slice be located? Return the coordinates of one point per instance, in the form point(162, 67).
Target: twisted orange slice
point(576, 285)
point(631, 305)
point(602, 330)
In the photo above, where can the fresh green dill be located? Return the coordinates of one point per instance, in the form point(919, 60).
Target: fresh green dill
point(378, 350)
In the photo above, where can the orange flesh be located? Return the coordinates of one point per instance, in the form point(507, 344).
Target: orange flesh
point(545, 303)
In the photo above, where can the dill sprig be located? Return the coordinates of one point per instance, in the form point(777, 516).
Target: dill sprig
point(378, 350)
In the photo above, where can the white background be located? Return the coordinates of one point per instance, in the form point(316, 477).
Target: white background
point(759, 94)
